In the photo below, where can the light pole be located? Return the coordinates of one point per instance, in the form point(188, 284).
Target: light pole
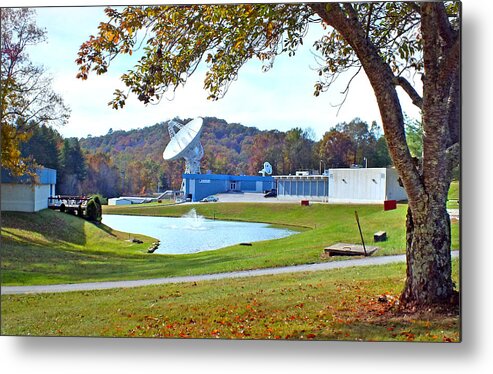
point(322, 161)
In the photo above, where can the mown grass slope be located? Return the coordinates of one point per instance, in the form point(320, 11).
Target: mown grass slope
point(51, 247)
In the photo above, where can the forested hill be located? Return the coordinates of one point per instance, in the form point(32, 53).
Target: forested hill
point(131, 162)
point(149, 142)
point(227, 148)
point(134, 158)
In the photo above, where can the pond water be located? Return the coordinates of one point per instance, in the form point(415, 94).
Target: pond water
point(193, 233)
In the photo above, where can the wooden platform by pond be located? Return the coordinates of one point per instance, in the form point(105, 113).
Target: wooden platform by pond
point(345, 249)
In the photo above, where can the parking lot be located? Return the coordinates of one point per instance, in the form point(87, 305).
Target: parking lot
point(246, 197)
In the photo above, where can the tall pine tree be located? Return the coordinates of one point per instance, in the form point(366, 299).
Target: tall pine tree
point(73, 168)
point(42, 147)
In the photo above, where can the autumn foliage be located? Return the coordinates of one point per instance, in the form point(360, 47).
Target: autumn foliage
point(27, 99)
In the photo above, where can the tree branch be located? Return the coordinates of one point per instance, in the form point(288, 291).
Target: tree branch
point(415, 7)
point(368, 23)
point(409, 89)
point(346, 90)
point(382, 80)
point(451, 60)
point(444, 27)
point(453, 155)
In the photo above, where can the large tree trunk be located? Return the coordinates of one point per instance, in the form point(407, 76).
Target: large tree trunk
point(428, 281)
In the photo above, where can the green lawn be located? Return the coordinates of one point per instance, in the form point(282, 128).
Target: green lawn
point(50, 247)
point(336, 305)
point(327, 223)
point(453, 196)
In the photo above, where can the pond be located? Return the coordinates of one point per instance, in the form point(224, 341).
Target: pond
point(193, 233)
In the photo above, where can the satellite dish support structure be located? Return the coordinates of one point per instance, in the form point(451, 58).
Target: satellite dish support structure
point(267, 169)
point(185, 143)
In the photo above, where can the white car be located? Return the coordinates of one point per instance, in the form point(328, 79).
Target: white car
point(209, 199)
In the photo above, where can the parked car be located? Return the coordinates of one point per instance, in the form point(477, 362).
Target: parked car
point(209, 199)
point(271, 193)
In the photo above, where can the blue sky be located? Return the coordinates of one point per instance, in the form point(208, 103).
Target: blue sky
point(281, 98)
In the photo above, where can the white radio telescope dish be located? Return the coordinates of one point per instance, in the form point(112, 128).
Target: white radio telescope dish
point(267, 169)
point(185, 143)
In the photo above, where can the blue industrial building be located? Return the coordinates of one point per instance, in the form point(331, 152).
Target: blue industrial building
point(351, 185)
point(198, 186)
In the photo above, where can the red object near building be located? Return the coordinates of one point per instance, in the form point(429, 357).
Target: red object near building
point(389, 204)
point(305, 202)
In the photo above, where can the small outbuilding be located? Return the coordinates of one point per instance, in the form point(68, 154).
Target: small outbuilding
point(119, 201)
point(21, 194)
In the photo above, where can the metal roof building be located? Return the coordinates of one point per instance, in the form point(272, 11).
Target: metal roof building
point(302, 186)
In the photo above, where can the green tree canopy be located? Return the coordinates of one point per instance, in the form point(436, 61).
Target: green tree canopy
point(297, 150)
point(336, 149)
point(382, 156)
point(73, 168)
point(43, 147)
point(414, 136)
point(364, 140)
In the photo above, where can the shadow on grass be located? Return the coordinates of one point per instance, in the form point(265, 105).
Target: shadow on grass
point(37, 264)
point(437, 329)
point(47, 227)
point(105, 228)
point(33, 263)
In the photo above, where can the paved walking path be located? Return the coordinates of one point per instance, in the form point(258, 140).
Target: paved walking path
point(454, 213)
point(9, 290)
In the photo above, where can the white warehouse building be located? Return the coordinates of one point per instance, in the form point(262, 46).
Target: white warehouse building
point(364, 185)
point(351, 185)
point(20, 194)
